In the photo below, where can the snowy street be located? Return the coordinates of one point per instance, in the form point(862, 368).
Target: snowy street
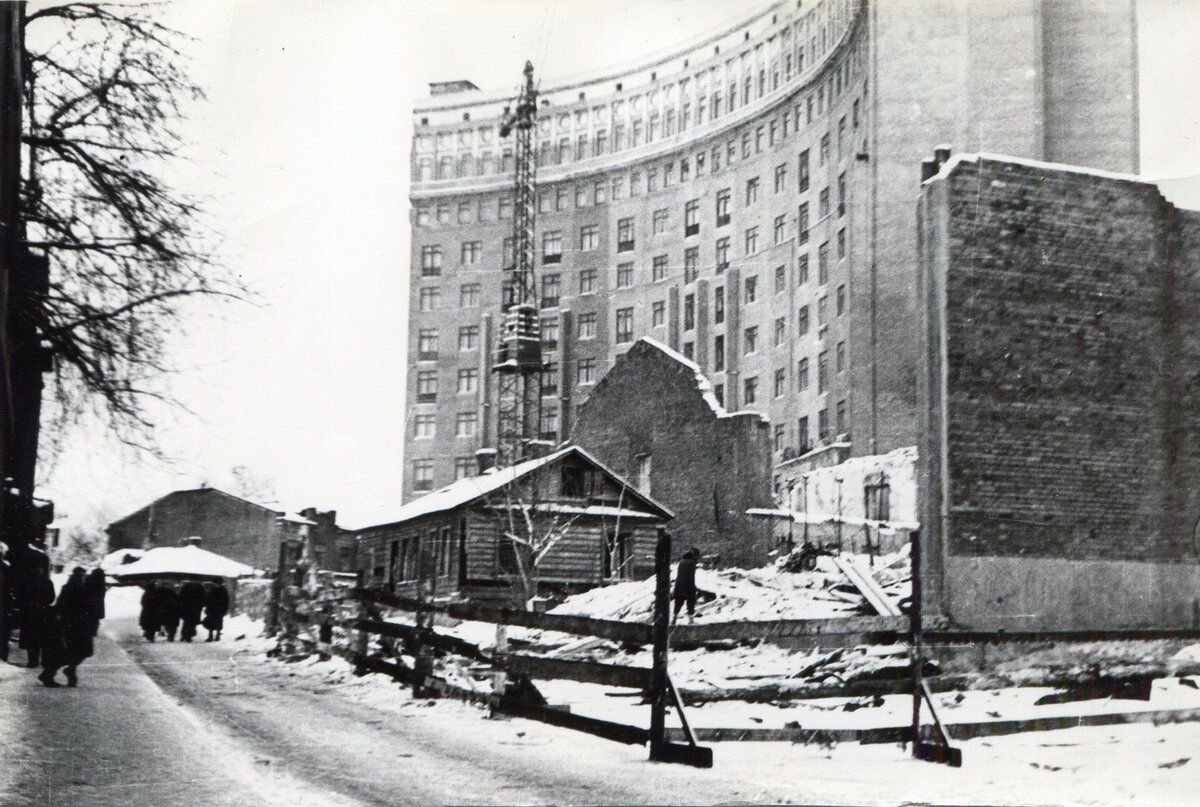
point(220, 724)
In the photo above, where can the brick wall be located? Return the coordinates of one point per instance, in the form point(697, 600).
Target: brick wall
point(229, 526)
point(707, 466)
point(1063, 412)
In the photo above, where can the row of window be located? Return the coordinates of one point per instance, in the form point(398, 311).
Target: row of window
point(589, 234)
point(650, 128)
point(804, 438)
point(586, 322)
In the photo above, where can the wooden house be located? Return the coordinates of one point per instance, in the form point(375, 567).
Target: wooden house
point(563, 521)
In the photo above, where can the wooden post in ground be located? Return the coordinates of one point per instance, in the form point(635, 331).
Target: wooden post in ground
point(499, 676)
point(362, 640)
point(914, 614)
point(661, 632)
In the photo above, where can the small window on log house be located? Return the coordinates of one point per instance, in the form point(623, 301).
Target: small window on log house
point(577, 481)
point(506, 556)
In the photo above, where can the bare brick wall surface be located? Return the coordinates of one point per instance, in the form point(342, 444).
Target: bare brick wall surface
point(1065, 422)
point(707, 468)
point(229, 526)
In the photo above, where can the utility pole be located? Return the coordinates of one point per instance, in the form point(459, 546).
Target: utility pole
point(519, 357)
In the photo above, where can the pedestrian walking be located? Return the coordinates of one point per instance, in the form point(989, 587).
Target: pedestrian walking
point(171, 611)
point(95, 590)
point(685, 583)
point(191, 603)
point(73, 625)
point(216, 605)
point(36, 615)
point(150, 620)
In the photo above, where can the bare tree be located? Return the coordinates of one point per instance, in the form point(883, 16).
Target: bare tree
point(106, 90)
point(250, 485)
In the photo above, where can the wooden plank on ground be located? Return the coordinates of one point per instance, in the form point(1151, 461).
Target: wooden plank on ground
point(618, 732)
point(589, 672)
point(865, 582)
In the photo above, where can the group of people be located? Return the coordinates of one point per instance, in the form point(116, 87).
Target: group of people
point(168, 609)
point(59, 633)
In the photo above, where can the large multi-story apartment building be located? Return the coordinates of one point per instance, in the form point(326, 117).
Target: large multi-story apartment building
point(749, 200)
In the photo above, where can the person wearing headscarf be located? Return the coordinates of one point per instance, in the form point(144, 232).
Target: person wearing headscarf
point(216, 605)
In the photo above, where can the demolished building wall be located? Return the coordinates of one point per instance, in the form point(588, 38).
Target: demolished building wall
point(654, 419)
point(1060, 469)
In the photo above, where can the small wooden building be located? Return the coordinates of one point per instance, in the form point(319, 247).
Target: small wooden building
point(564, 519)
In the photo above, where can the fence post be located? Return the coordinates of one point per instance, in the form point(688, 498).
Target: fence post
point(914, 615)
point(361, 641)
point(661, 628)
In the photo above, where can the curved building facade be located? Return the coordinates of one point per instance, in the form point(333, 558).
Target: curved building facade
point(748, 200)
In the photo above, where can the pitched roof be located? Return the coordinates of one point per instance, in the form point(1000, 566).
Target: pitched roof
point(194, 490)
point(703, 385)
point(472, 488)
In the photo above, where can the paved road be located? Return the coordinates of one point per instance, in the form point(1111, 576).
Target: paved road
point(212, 724)
point(118, 739)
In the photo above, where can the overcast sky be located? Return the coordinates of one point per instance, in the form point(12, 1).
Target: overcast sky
point(303, 145)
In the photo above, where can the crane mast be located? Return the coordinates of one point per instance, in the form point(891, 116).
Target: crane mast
point(519, 355)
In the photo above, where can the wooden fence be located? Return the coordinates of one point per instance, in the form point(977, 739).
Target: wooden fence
point(312, 622)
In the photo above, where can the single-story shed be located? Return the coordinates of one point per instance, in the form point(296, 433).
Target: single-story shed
point(559, 522)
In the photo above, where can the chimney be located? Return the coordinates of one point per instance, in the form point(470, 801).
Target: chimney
point(485, 460)
point(930, 167)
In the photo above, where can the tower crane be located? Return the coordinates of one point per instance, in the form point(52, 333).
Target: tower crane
point(519, 355)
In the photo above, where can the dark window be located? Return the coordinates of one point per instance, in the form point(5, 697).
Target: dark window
point(722, 207)
point(431, 260)
point(691, 217)
point(625, 235)
point(552, 247)
point(624, 325)
point(719, 304)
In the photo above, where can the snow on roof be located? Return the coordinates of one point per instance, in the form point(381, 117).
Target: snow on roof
point(191, 561)
point(830, 518)
point(702, 383)
point(295, 518)
point(979, 156)
point(474, 487)
point(589, 510)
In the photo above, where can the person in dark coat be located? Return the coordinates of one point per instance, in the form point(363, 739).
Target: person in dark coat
point(216, 605)
point(191, 602)
point(171, 610)
point(685, 583)
point(36, 615)
point(73, 621)
point(151, 619)
point(95, 590)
